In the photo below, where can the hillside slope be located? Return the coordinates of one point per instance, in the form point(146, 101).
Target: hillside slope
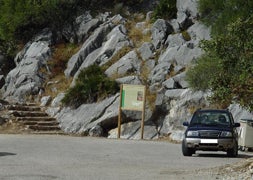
point(131, 50)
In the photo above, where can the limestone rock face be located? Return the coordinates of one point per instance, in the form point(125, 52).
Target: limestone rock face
point(160, 64)
point(87, 116)
point(126, 65)
point(28, 77)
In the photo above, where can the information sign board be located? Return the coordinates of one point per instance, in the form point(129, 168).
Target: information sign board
point(132, 97)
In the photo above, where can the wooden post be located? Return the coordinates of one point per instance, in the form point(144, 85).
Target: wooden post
point(143, 114)
point(119, 116)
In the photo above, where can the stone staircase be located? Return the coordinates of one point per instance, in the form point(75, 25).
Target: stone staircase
point(34, 119)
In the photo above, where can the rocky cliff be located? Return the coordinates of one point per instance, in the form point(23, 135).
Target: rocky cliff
point(159, 63)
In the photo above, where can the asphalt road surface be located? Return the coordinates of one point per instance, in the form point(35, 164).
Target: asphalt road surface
point(49, 157)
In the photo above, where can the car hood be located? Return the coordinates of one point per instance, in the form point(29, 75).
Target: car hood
point(215, 128)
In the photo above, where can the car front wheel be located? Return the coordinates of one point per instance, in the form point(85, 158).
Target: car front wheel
point(187, 151)
point(233, 152)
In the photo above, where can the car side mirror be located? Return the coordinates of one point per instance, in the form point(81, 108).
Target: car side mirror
point(185, 123)
point(237, 125)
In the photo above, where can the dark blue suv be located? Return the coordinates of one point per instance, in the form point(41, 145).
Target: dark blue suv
point(211, 130)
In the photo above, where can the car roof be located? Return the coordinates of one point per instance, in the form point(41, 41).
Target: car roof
point(213, 110)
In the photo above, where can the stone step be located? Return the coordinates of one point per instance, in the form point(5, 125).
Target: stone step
point(26, 104)
point(29, 114)
point(49, 123)
point(41, 123)
point(44, 128)
point(34, 118)
point(23, 108)
point(45, 118)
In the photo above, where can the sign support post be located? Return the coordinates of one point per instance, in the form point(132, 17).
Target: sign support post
point(143, 114)
point(132, 97)
point(120, 111)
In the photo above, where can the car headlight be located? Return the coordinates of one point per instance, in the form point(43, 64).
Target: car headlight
point(192, 133)
point(226, 134)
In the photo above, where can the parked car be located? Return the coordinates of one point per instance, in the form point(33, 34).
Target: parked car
point(211, 130)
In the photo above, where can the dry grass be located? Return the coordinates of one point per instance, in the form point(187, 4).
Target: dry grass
point(151, 98)
point(145, 71)
point(62, 53)
point(56, 85)
point(136, 34)
point(57, 82)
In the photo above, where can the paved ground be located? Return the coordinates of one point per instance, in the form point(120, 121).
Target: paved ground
point(49, 157)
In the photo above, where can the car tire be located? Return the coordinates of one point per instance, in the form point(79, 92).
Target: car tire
point(233, 152)
point(187, 151)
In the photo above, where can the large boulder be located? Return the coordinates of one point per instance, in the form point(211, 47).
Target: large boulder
point(28, 77)
point(159, 32)
point(126, 65)
point(88, 116)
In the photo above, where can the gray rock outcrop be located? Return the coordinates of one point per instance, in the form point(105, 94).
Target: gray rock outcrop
point(159, 64)
point(87, 116)
point(28, 77)
point(126, 65)
point(106, 40)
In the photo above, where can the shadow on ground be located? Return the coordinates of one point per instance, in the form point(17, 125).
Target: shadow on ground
point(243, 156)
point(7, 154)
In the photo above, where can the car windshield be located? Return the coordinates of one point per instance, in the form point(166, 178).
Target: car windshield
point(207, 118)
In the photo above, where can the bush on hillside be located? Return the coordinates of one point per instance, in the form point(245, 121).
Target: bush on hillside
point(21, 20)
point(166, 9)
point(199, 75)
point(220, 13)
point(227, 66)
point(91, 86)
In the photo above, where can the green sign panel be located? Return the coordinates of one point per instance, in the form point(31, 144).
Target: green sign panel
point(133, 97)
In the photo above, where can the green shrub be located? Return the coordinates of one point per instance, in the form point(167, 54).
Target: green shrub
point(220, 13)
point(199, 75)
point(166, 9)
point(186, 36)
point(226, 68)
point(21, 20)
point(91, 86)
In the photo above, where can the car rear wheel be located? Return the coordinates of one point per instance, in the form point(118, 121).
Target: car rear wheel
point(187, 151)
point(233, 152)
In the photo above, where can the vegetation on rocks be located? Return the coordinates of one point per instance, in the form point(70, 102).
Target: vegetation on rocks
point(91, 86)
point(166, 9)
point(226, 68)
point(20, 20)
point(220, 13)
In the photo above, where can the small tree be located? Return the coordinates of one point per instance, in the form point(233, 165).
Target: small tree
point(166, 9)
point(91, 85)
point(228, 61)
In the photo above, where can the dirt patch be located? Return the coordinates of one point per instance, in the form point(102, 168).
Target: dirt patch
point(9, 125)
point(13, 127)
